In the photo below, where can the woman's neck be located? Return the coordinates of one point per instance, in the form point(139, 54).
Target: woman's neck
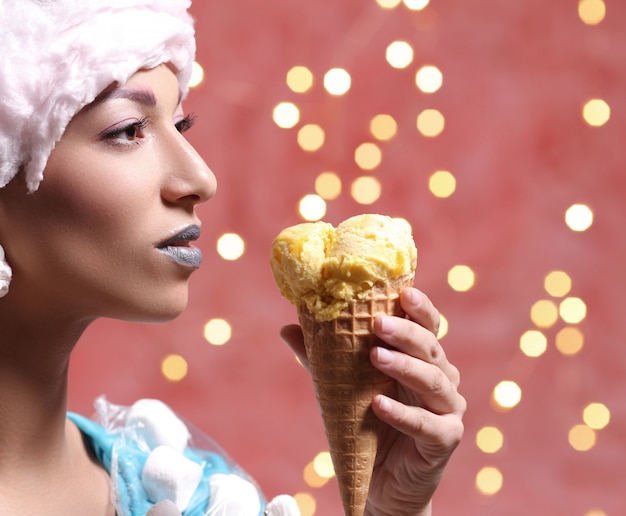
point(44, 465)
point(34, 361)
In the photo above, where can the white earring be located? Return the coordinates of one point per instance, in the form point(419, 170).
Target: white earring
point(5, 274)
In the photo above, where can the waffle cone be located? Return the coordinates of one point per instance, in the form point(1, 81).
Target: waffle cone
point(345, 383)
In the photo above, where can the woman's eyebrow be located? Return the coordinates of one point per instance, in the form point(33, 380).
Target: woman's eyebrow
point(144, 96)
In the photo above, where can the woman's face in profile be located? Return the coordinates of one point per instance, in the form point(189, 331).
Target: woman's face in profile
point(110, 231)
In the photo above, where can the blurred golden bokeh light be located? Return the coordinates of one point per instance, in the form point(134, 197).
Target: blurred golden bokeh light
point(323, 465)
point(174, 367)
point(579, 217)
point(443, 327)
point(311, 137)
point(572, 310)
point(430, 123)
point(306, 504)
point(489, 480)
point(489, 439)
point(558, 283)
point(416, 5)
point(388, 4)
point(582, 438)
point(544, 313)
point(399, 54)
point(383, 127)
point(596, 112)
point(230, 246)
point(328, 185)
point(197, 75)
point(312, 478)
point(591, 12)
point(442, 184)
point(286, 115)
point(429, 79)
point(461, 278)
point(299, 79)
point(366, 190)
point(569, 341)
point(368, 156)
point(217, 332)
point(507, 394)
point(312, 207)
point(533, 343)
point(337, 81)
point(596, 416)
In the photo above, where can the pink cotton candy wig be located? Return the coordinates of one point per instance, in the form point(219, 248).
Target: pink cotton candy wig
point(56, 56)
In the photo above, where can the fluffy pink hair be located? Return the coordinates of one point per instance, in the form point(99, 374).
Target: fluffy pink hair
point(56, 56)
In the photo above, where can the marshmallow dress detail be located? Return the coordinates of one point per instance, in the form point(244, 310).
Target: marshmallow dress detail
point(151, 455)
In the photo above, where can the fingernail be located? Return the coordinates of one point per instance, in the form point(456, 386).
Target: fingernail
point(387, 324)
point(384, 356)
point(384, 403)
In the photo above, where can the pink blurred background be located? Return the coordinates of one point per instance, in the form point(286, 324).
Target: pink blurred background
point(516, 76)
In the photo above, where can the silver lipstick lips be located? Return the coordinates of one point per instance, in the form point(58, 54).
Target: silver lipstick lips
point(179, 249)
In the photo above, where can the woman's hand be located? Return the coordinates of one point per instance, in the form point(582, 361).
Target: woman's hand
point(426, 418)
point(424, 422)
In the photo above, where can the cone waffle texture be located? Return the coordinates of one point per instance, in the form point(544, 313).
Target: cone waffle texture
point(345, 383)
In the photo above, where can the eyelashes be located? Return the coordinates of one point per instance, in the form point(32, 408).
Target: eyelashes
point(186, 123)
point(126, 134)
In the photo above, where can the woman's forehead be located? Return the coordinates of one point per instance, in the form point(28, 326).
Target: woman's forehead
point(143, 88)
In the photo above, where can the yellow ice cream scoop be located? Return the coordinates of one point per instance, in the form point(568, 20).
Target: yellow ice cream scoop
point(323, 267)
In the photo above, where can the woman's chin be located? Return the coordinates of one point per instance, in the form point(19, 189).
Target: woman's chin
point(154, 318)
point(157, 312)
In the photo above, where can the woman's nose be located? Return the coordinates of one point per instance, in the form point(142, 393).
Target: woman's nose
point(188, 178)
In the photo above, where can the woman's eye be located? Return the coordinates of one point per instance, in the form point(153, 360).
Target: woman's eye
point(128, 133)
point(131, 132)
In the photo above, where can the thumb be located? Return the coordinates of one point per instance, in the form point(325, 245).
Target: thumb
point(292, 336)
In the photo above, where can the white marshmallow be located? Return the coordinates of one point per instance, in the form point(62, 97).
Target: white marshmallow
point(283, 505)
point(231, 494)
point(156, 424)
point(169, 475)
